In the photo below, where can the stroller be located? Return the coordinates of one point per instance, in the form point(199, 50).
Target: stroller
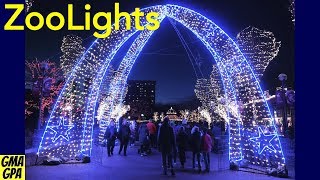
point(145, 148)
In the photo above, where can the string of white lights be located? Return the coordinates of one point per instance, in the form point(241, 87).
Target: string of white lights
point(260, 47)
point(239, 81)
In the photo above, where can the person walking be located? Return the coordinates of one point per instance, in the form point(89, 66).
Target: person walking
point(111, 136)
point(152, 133)
point(196, 147)
point(124, 136)
point(206, 149)
point(182, 140)
point(167, 144)
point(143, 139)
point(174, 155)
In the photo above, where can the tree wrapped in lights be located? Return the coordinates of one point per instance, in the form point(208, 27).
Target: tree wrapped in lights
point(216, 82)
point(207, 116)
point(247, 142)
point(185, 114)
point(53, 73)
point(72, 50)
point(195, 116)
point(208, 91)
point(29, 105)
point(156, 116)
point(260, 47)
point(218, 93)
point(204, 92)
point(119, 111)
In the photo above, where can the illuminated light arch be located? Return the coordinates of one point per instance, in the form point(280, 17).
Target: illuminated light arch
point(245, 127)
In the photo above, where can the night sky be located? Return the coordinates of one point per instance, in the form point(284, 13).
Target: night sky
point(164, 59)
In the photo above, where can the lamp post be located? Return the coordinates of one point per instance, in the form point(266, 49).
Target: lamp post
point(283, 77)
point(43, 68)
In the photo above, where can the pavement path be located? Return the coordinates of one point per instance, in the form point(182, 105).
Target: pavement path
point(135, 167)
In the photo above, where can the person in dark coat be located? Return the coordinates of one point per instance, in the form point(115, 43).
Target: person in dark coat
point(182, 141)
point(144, 139)
point(167, 144)
point(196, 147)
point(124, 137)
point(111, 136)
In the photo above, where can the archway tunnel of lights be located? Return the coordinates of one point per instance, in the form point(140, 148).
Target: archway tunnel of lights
point(252, 133)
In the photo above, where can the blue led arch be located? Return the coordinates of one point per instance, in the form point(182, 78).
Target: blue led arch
point(238, 78)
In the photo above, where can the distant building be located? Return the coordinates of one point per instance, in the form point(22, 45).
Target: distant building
point(141, 98)
point(172, 115)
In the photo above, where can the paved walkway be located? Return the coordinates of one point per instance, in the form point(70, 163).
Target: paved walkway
point(135, 167)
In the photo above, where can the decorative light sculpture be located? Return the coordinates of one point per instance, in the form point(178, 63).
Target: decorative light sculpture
point(259, 47)
point(236, 74)
point(72, 50)
point(156, 116)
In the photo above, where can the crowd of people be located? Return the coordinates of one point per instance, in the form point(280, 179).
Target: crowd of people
point(172, 140)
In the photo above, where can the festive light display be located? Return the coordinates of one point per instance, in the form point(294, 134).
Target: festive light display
point(195, 115)
point(72, 50)
point(106, 82)
point(264, 141)
point(204, 92)
point(206, 114)
point(216, 82)
point(119, 111)
point(28, 106)
point(185, 114)
point(156, 116)
point(54, 74)
point(238, 78)
point(61, 131)
point(259, 47)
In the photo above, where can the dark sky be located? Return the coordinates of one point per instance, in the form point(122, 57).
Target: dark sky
point(164, 58)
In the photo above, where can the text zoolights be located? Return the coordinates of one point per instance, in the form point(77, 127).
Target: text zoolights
point(151, 18)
